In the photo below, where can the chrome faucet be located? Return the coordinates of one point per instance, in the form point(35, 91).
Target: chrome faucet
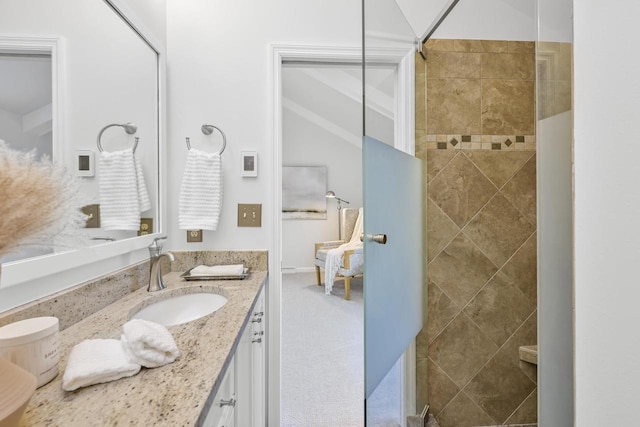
point(155, 258)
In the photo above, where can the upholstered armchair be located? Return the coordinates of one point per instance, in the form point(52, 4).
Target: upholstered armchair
point(347, 260)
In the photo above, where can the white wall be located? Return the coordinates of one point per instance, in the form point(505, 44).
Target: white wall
point(220, 73)
point(607, 208)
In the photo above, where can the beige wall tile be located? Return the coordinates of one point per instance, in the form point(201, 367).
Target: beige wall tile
point(440, 230)
point(522, 47)
point(527, 334)
point(481, 45)
point(453, 106)
point(521, 190)
point(499, 388)
point(463, 412)
point(461, 270)
point(421, 101)
point(461, 350)
point(499, 230)
point(440, 45)
point(460, 190)
point(499, 308)
point(509, 66)
point(527, 412)
point(441, 311)
point(436, 161)
point(522, 268)
point(508, 107)
point(453, 65)
point(441, 389)
point(499, 167)
point(422, 382)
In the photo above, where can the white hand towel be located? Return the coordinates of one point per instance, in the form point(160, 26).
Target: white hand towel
point(97, 361)
point(123, 193)
point(200, 200)
point(218, 270)
point(335, 256)
point(143, 195)
point(149, 343)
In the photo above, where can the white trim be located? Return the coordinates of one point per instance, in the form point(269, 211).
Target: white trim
point(404, 134)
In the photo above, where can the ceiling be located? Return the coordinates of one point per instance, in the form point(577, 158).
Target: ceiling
point(330, 96)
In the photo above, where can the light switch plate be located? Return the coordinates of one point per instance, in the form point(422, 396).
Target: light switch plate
point(249, 215)
point(194, 236)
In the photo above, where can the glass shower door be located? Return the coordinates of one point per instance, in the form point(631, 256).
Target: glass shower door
point(394, 215)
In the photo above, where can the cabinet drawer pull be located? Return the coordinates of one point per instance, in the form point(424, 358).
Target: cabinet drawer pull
point(258, 313)
point(259, 333)
point(257, 340)
point(230, 402)
point(256, 320)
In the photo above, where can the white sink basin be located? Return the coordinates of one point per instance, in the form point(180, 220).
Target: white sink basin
point(181, 308)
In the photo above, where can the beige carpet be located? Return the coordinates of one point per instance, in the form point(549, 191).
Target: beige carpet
point(322, 370)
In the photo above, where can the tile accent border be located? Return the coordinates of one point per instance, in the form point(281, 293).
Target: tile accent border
point(481, 142)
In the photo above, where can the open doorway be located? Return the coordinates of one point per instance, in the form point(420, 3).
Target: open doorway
point(322, 369)
point(401, 126)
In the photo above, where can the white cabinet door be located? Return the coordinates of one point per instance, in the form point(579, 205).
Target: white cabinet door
point(244, 381)
point(222, 412)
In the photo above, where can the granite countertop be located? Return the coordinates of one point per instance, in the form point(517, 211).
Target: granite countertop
point(171, 395)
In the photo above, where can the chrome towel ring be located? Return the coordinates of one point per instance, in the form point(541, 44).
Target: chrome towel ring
point(208, 130)
point(129, 128)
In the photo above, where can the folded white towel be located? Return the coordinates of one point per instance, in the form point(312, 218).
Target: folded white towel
point(218, 270)
point(123, 193)
point(149, 343)
point(200, 200)
point(97, 361)
point(335, 256)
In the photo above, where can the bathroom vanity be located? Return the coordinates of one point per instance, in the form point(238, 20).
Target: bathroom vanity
point(221, 361)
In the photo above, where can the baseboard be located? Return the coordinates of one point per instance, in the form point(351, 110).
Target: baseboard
point(292, 270)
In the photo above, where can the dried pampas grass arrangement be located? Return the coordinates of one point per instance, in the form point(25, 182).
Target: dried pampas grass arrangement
point(39, 202)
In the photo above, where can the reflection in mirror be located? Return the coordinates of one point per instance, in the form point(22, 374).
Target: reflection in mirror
point(26, 113)
point(101, 72)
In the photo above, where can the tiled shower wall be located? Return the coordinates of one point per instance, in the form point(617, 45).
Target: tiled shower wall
point(475, 128)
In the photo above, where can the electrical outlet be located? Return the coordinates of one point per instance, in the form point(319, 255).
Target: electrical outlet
point(93, 212)
point(249, 215)
point(146, 226)
point(194, 236)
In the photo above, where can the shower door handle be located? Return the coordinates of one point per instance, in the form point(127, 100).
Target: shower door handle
point(377, 238)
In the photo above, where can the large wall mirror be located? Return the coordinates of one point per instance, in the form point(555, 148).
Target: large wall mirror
point(68, 69)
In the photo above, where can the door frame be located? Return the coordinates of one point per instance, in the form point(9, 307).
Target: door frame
point(404, 130)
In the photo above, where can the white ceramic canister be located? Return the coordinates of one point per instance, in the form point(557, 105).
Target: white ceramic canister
point(32, 344)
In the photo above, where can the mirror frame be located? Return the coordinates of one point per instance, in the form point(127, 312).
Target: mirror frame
point(37, 272)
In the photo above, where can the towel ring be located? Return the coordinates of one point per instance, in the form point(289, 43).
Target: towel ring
point(208, 130)
point(129, 128)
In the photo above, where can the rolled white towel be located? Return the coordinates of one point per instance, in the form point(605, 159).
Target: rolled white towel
point(218, 270)
point(149, 343)
point(97, 361)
